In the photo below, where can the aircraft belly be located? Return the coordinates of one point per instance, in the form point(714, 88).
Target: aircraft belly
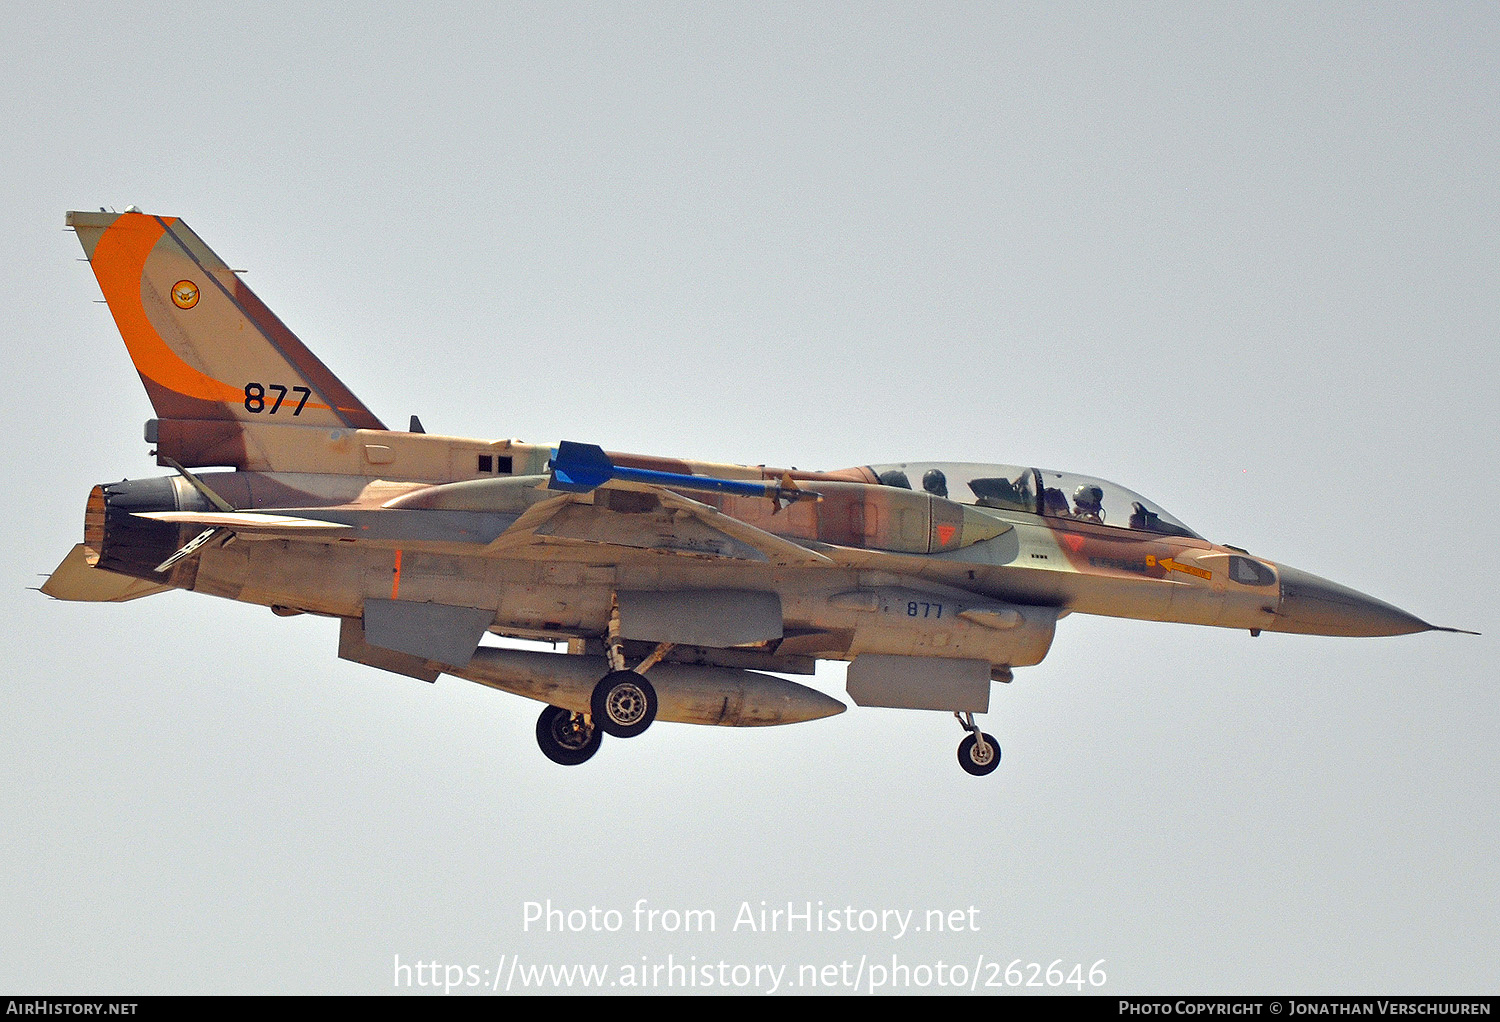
point(914, 620)
point(337, 579)
point(571, 597)
point(701, 617)
point(320, 577)
point(566, 610)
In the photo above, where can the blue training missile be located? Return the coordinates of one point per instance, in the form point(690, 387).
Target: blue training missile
point(581, 468)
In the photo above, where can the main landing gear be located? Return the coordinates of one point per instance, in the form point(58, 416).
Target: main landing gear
point(979, 753)
point(566, 737)
point(623, 705)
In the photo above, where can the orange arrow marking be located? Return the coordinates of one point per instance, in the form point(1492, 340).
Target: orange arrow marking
point(1171, 565)
point(945, 533)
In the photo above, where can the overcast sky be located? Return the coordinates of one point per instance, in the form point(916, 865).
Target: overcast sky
point(1239, 258)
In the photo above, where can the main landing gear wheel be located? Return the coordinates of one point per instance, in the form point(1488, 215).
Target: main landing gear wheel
point(623, 704)
point(979, 759)
point(567, 737)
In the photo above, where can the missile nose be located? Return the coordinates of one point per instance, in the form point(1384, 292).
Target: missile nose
point(1315, 606)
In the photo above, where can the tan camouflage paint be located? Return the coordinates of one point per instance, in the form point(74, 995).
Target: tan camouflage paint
point(223, 373)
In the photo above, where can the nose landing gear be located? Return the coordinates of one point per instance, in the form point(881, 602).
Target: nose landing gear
point(979, 753)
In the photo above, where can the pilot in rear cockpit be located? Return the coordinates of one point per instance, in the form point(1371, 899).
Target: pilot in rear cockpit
point(935, 483)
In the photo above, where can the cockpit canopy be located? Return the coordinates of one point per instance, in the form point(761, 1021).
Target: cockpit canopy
point(1034, 491)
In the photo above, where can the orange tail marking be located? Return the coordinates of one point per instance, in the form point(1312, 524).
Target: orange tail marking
point(119, 262)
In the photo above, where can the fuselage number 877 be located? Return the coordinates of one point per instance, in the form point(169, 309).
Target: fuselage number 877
point(255, 397)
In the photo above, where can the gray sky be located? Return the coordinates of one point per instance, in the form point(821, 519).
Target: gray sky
point(1242, 259)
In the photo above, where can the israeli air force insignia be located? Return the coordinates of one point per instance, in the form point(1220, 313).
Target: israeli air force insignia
point(184, 294)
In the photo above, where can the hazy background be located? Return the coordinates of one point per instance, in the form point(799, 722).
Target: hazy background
point(1240, 258)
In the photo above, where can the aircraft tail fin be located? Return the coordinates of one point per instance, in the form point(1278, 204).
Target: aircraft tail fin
point(207, 349)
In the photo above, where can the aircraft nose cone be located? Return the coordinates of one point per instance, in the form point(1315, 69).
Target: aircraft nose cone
point(1316, 606)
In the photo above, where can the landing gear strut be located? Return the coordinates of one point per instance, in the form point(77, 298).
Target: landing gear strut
point(979, 753)
point(565, 737)
point(623, 704)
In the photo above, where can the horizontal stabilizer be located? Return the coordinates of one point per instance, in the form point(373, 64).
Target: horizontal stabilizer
point(75, 579)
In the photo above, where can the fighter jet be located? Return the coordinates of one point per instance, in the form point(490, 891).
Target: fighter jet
point(682, 589)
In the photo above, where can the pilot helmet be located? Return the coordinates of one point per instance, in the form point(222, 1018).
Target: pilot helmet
point(1088, 497)
point(935, 483)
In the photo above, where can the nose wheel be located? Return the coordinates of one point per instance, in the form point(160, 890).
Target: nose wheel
point(979, 753)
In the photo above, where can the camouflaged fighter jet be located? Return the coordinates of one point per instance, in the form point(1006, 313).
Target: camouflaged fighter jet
point(675, 584)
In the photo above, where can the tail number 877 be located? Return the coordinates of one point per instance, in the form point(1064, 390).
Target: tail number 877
point(255, 397)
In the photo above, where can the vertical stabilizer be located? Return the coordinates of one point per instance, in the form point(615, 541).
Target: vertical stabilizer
point(206, 348)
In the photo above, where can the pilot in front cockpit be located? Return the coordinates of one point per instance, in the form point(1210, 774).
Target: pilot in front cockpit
point(1088, 504)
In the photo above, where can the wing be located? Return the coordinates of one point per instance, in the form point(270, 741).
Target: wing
point(622, 513)
point(515, 518)
point(270, 524)
point(774, 548)
point(643, 516)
